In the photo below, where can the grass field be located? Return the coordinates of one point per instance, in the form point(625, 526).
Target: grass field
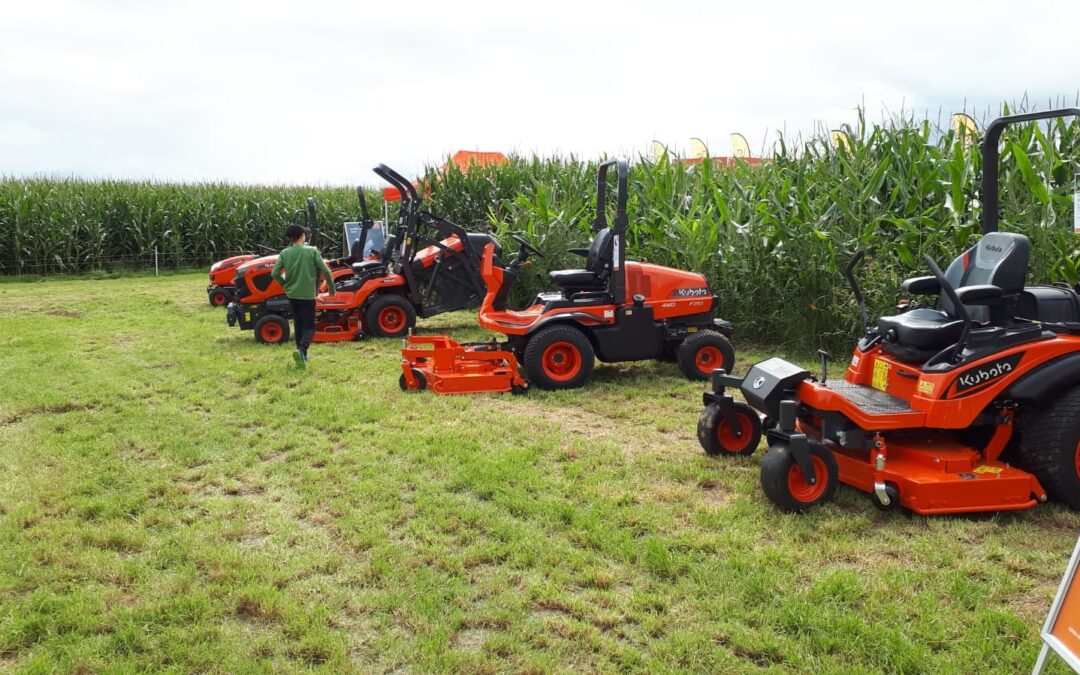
point(174, 496)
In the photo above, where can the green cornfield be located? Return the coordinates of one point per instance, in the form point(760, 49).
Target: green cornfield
point(772, 239)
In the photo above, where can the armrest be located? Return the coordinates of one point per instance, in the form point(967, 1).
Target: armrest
point(980, 294)
point(921, 286)
point(583, 252)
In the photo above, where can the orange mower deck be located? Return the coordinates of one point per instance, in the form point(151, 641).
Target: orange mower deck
point(448, 367)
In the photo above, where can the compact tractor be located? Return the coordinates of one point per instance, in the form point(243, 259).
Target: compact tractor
point(427, 266)
point(612, 309)
point(969, 405)
point(258, 302)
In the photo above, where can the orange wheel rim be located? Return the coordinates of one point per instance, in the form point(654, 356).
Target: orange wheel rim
point(271, 332)
point(1076, 459)
point(219, 298)
point(708, 358)
point(725, 434)
point(803, 491)
point(561, 361)
point(391, 319)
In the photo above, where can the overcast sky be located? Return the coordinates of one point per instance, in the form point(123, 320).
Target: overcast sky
point(319, 92)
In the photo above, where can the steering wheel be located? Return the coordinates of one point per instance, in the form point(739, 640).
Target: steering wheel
point(526, 246)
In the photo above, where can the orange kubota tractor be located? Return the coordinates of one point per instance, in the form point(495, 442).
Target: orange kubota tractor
point(612, 309)
point(972, 405)
point(221, 290)
point(259, 303)
point(428, 266)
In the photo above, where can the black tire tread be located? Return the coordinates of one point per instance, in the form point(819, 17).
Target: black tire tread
point(285, 330)
point(1047, 447)
point(706, 430)
point(534, 353)
point(382, 301)
point(686, 351)
point(774, 471)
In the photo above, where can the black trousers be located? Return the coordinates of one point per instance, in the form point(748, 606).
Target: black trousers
point(303, 312)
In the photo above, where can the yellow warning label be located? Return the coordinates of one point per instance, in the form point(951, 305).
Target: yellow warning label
point(881, 375)
point(247, 316)
point(986, 469)
point(926, 387)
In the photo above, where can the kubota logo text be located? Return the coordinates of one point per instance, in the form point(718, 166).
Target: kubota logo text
point(689, 292)
point(986, 373)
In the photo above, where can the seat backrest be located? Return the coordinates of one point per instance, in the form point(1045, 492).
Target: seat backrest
point(600, 251)
point(999, 259)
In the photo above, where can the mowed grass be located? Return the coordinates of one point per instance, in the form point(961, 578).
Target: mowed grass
point(175, 497)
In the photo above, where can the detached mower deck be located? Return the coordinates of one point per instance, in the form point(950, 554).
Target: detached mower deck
point(452, 368)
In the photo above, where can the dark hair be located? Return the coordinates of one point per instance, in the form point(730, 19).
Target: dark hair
point(294, 231)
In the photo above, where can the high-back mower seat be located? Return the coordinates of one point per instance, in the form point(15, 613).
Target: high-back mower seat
point(998, 259)
point(597, 266)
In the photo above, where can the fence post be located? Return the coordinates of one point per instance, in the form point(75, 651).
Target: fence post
point(155, 262)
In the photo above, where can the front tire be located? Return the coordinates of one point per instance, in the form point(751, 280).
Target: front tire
point(717, 437)
point(785, 485)
point(272, 330)
point(1050, 447)
point(703, 352)
point(558, 357)
point(219, 299)
point(421, 381)
point(390, 316)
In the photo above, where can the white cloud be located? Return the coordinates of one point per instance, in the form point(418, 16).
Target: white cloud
point(320, 92)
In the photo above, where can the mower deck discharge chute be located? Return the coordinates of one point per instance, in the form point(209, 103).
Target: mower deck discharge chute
point(971, 407)
point(612, 309)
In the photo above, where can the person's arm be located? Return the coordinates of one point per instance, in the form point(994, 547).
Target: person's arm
point(275, 273)
point(325, 270)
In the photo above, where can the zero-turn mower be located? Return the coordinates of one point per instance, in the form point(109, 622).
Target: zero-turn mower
point(612, 309)
point(967, 407)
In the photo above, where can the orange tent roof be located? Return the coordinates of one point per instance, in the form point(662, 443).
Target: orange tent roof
point(462, 159)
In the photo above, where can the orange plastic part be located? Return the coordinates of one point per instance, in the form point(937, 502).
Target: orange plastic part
point(452, 368)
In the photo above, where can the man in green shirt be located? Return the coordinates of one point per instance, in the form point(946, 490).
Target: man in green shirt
point(301, 265)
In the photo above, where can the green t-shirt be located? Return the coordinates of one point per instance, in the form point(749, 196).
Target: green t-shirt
point(301, 265)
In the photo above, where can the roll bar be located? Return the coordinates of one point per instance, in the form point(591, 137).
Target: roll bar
point(410, 201)
point(621, 220)
point(990, 155)
point(366, 223)
point(313, 221)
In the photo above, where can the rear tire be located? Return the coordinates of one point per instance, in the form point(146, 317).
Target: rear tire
point(558, 357)
point(390, 316)
point(785, 485)
point(703, 352)
point(272, 329)
point(717, 438)
point(1050, 447)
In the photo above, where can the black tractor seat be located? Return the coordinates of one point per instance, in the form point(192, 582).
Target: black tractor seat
point(917, 335)
point(597, 267)
point(998, 259)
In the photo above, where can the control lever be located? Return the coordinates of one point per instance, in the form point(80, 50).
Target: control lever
point(824, 365)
